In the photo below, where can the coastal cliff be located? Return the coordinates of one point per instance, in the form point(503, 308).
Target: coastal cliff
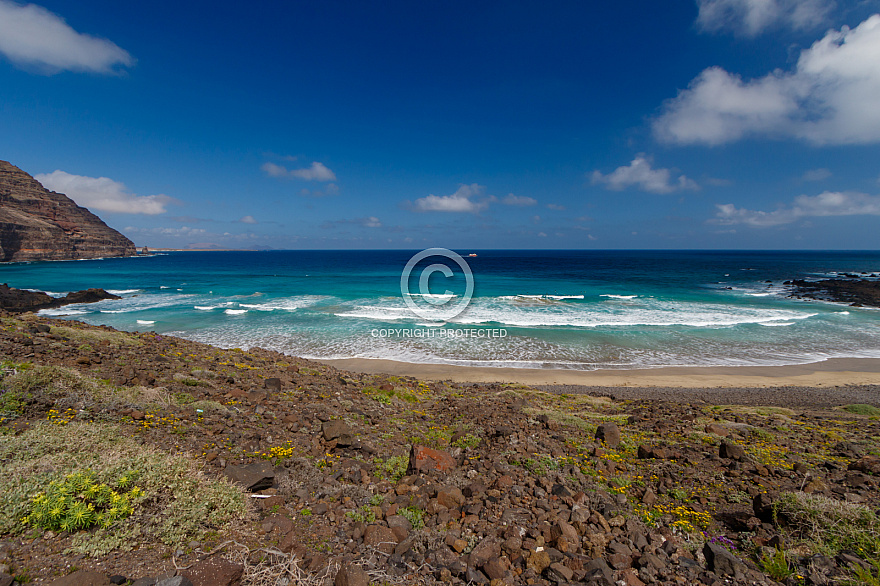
point(38, 224)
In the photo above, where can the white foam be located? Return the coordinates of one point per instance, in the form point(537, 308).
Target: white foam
point(234, 311)
point(842, 312)
point(205, 307)
point(164, 287)
point(776, 324)
point(59, 312)
point(433, 295)
point(145, 322)
point(285, 303)
point(758, 294)
point(49, 293)
point(658, 313)
point(122, 291)
point(610, 296)
point(378, 313)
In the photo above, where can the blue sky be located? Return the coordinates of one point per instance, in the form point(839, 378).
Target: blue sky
point(706, 124)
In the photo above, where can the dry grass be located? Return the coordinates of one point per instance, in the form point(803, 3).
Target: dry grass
point(93, 336)
point(270, 567)
point(68, 387)
point(179, 502)
point(561, 418)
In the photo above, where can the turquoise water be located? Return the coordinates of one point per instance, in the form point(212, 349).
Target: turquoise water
point(557, 309)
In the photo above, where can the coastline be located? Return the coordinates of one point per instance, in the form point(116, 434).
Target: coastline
point(828, 373)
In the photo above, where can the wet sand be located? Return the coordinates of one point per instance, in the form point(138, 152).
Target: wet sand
point(838, 381)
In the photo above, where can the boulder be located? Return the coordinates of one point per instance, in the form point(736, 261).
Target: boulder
point(868, 465)
point(425, 459)
point(82, 578)
point(214, 571)
point(335, 429)
point(352, 575)
point(608, 433)
point(256, 476)
point(722, 562)
point(380, 537)
point(731, 451)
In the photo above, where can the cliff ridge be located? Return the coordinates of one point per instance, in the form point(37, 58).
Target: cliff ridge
point(38, 224)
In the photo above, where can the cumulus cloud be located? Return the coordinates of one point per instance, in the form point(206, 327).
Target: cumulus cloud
point(518, 200)
point(751, 17)
point(816, 175)
point(102, 193)
point(31, 36)
point(555, 206)
point(639, 173)
point(828, 203)
point(460, 201)
point(831, 97)
point(248, 220)
point(316, 172)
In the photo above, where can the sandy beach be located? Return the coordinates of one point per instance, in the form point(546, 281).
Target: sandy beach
point(829, 373)
point(818, 385)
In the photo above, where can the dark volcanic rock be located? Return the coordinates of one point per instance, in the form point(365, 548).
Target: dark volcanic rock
point(19, 300)
point(854, 291)
point(255, 476)
point(38, 224)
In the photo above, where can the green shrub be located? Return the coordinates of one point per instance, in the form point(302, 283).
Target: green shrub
point(394, 468)
point(178, 504)
point(79, 501)
point(863, 409)
point(776, 565)
point(830, 525)
point(414, 515)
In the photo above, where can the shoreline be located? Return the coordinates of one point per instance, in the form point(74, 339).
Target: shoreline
point(833, 372)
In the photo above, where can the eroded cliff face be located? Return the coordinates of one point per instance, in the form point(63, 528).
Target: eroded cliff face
point(38, 224)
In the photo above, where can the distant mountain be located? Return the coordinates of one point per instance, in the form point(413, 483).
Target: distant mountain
point(38, 224)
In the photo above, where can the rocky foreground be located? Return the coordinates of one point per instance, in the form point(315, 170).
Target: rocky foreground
point(228, 467)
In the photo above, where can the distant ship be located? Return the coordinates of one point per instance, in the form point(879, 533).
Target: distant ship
point(471, 255)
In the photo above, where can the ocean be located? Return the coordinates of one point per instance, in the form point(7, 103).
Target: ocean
point(581, 310)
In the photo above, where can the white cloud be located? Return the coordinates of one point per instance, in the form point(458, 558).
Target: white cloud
point(751, 17)
point(816, 175)
point(316, 172)
point(102, 193)
point(248, 220)
point(460, 201)
point(556, 206)
point(31, 36)
point(640, 174)
point(828, 203)
point(518, 200)
point(174, 232)
point(370, 222)
point(831, 97)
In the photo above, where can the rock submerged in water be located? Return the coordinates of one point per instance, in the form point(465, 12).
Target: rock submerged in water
point(21, 300)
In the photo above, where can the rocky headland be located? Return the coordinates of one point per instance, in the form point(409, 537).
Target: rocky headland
point(38, 224)
point(136, 457)
point(21, 300)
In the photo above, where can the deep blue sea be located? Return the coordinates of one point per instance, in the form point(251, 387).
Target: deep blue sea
point(558, 309)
